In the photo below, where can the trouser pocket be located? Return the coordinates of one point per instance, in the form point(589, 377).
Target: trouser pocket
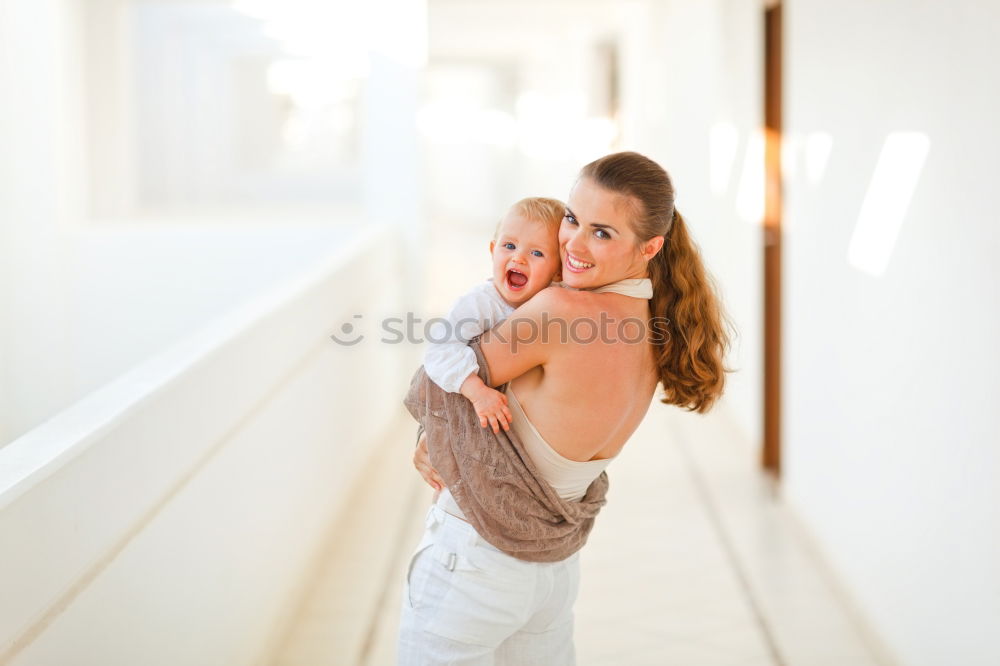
point(416, 577)
point(481, 600)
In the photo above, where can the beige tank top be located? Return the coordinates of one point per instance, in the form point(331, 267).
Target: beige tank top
point(569, 478)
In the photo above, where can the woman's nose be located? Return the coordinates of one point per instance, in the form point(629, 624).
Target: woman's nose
point(574, 244)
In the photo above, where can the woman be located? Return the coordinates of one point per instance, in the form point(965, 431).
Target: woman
point(576, 398)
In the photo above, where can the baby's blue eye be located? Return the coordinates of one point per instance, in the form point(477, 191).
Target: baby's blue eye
point(537, 253)
point(508, 245)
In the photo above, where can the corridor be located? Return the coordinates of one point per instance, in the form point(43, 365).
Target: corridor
point(211, 211)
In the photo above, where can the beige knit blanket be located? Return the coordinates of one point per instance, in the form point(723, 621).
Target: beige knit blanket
point(494, 481)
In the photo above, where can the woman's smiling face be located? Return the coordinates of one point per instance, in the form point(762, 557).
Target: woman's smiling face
point(596, 241)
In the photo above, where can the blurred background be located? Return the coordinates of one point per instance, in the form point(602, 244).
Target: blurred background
point(198, 196)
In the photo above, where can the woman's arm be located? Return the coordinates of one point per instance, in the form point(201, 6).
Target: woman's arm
point(528, 338)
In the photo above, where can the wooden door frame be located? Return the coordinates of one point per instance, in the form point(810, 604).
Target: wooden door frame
point(771, 450)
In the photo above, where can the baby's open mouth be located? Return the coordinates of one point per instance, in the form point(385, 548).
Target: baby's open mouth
point(516, 280)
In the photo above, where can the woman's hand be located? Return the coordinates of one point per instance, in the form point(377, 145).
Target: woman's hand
point(422, 461)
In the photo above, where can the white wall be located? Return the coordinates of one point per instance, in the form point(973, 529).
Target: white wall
point(108, 50)
point(80, 94)
point(684, 68)
point(689, 67)
point(891, 380)
point(516, 88)
point(42, 188)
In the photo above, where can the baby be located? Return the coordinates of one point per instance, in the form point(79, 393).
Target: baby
point(525, 252)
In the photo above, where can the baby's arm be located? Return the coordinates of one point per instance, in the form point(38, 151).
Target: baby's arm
point(451, 364)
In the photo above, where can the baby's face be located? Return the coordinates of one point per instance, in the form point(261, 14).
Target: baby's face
point(525, 258)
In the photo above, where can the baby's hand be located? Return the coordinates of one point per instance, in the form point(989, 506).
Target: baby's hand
point(491, 406)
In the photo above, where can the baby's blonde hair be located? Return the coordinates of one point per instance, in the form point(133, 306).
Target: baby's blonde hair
point(537, 209)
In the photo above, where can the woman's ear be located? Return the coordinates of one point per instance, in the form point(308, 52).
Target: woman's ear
point(651, 247)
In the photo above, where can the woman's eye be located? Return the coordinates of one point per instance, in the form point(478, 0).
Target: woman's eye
point(508, 245)
point(569, 218)
point(601, 233)
point(537, 253)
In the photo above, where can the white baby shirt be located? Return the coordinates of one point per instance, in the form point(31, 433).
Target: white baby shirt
point(449, 360)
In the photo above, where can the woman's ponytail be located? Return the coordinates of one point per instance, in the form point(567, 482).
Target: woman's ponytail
point(691, 357)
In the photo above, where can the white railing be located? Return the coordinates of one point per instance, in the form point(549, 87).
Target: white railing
point(168, 517)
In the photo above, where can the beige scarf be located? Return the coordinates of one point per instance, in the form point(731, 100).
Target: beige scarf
point(493, 479)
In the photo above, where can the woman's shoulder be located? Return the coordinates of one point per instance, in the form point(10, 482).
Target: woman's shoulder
point(556, 302)
point(547, 300)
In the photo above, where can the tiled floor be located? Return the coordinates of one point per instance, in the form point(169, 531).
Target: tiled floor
point(693, 562)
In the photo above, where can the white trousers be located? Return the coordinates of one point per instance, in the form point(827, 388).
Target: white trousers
point(467, 603)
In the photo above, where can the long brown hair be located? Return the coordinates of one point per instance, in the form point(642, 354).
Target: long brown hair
point(690, 356)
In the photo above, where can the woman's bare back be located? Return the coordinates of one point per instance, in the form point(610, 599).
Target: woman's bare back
point(589, 398)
